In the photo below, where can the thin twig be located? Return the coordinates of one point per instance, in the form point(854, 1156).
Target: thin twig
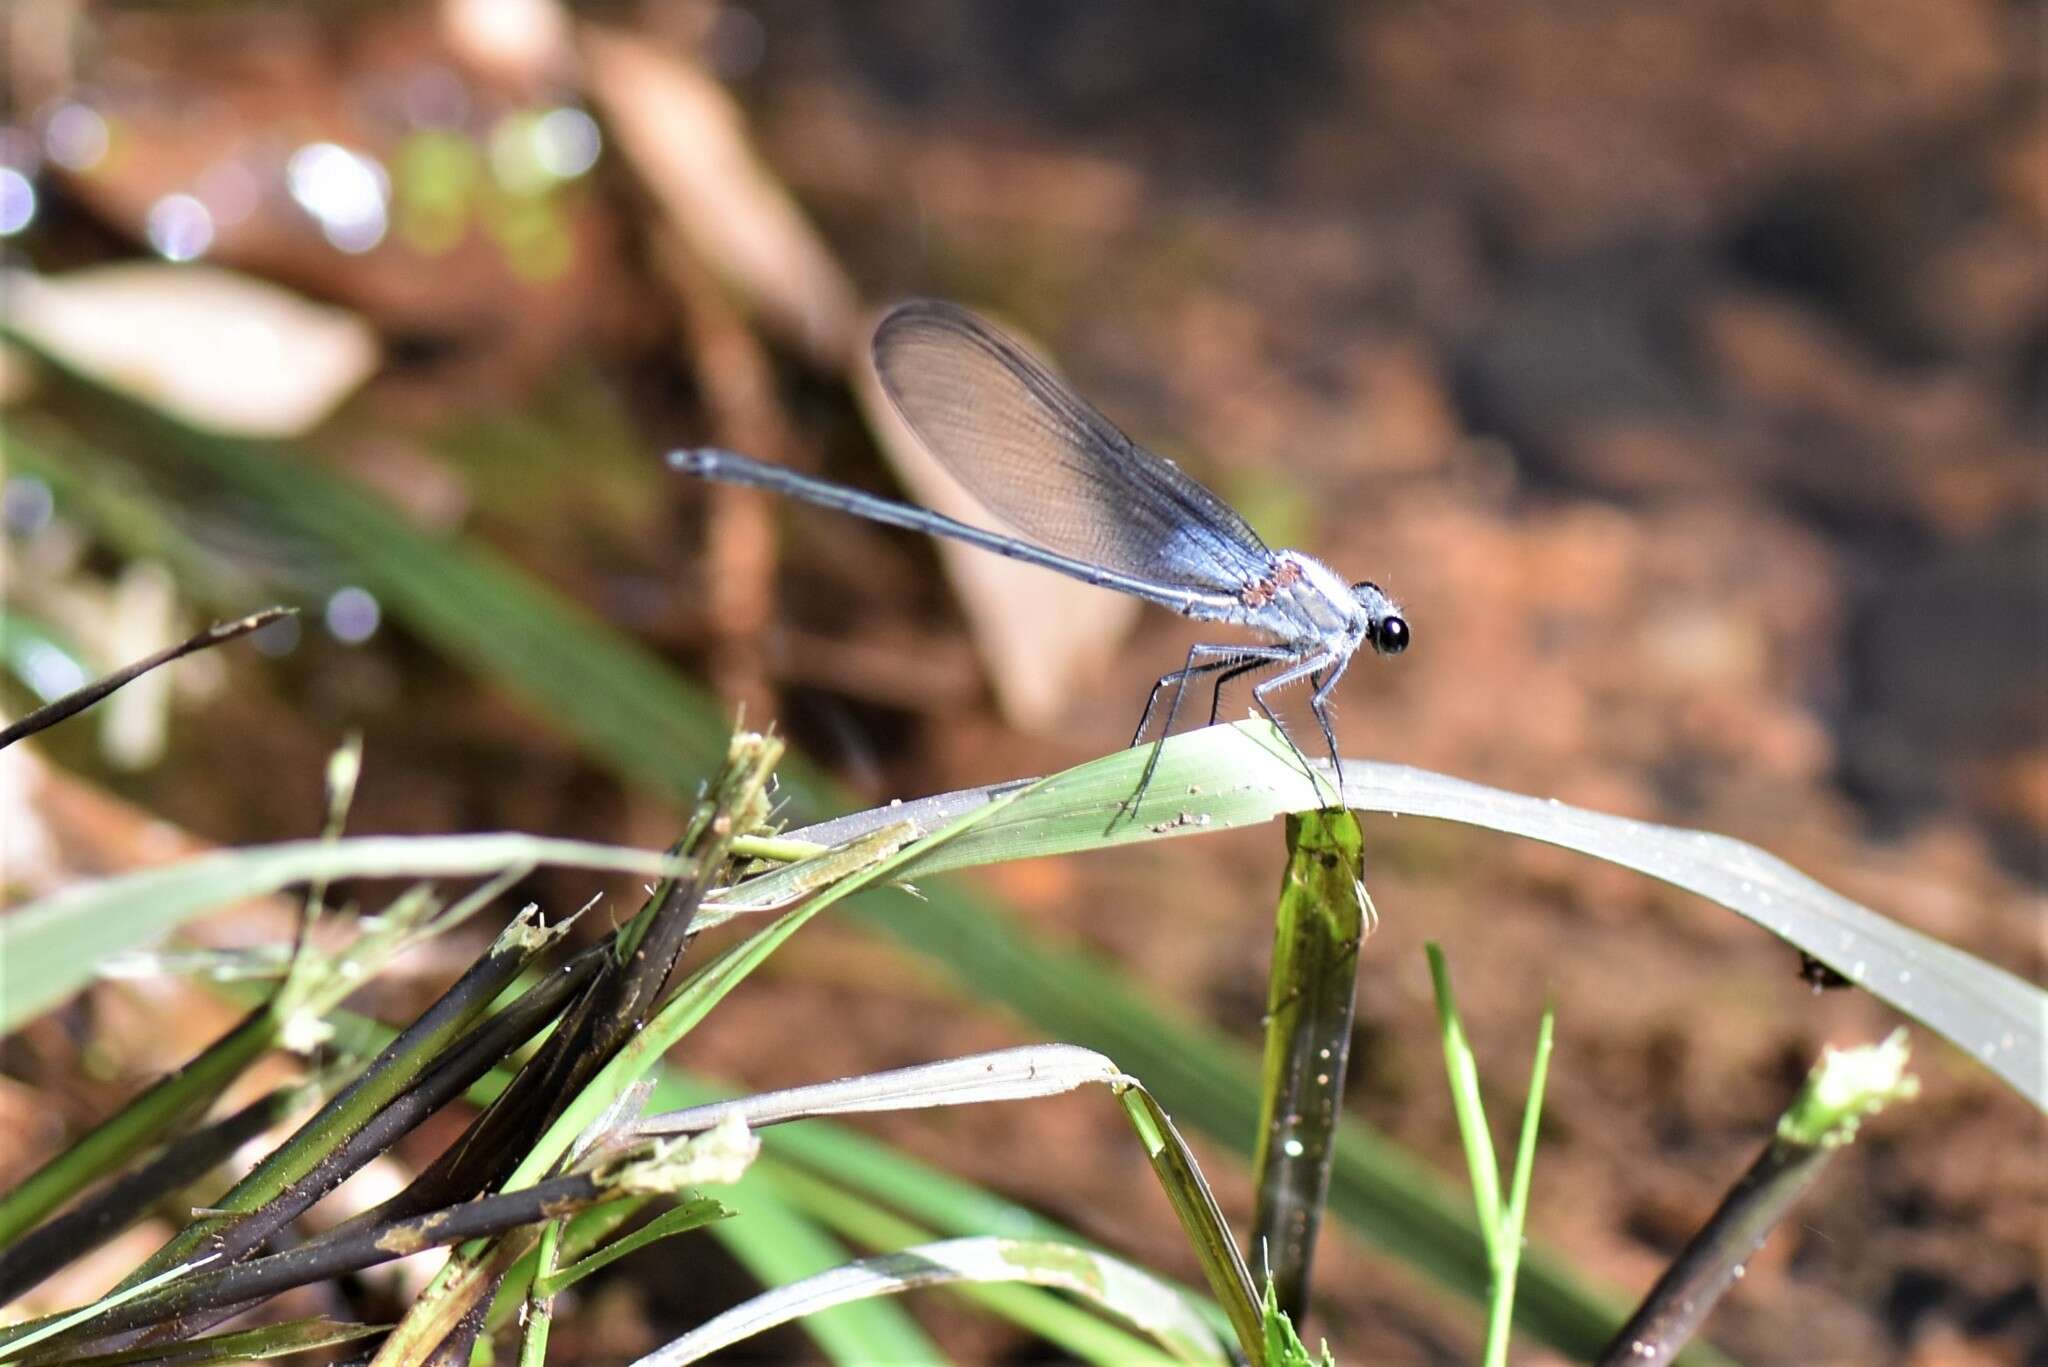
point(81, 698)
point(1844, 1088)
point(330, 1256)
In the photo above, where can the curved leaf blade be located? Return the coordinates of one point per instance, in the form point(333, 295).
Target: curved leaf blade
point(1127, 1291)
point(1225, 776)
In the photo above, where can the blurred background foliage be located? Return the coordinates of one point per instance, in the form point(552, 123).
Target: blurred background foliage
point(1681, 368)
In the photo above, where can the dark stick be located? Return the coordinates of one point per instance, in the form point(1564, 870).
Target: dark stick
point(615, 1004)
point(492, 1041)
point(398, 1065)
point(1690, 1288)
point(81, 698)
point(336, 1254)
point(483, 1050)
point(129, 1198)
point(1844, 1088)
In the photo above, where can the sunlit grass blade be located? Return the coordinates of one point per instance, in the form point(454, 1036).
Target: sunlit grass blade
point(54, 1325)
point(1023, 1073)
point(50, 948)
point(1323, 917)
point(1244, 774)
point(1500, 1218)
point(1515, 1217)
point(781, 1247)
point(1077, 1331)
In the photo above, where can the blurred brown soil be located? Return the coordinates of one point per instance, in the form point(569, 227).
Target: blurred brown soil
point(1682, 370)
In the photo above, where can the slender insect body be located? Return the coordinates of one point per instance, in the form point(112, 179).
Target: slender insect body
point(1092, 504)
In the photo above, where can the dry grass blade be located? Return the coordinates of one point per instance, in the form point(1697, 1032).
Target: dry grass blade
point(1033, 1070)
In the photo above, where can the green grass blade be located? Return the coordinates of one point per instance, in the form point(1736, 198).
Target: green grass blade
point(677, 1219)
point(267, 1344)
point(1201, 1219)
point(50, 948)
point(1515, 1220)
point(1470, 1107)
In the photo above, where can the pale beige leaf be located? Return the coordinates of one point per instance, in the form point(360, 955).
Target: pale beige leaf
point(223, 351)
point(687, 139)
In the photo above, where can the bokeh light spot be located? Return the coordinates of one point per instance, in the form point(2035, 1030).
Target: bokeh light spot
point(179, 227)
point(352, 615)
point(17, 201)
point(347, 193)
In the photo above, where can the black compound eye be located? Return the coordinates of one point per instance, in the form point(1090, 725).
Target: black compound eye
point(1392, 636)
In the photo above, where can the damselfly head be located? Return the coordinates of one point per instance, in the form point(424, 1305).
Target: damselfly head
point(1385, 627)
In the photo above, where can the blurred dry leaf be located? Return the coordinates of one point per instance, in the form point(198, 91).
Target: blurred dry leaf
point(220, 350)
point(135, 722)
point(687, 139)
point(57, 829)
point(523, 41)
point(1040, 633)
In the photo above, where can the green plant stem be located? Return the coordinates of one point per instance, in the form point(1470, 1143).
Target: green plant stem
point(107, 1212)
point(308, 1152)
point(540, 1307)
point(1322, 919)
point(158, 1111)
